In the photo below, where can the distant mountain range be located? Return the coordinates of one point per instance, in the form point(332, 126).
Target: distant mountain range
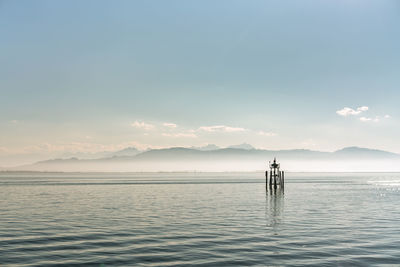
point(359, 152)
point(243, 146)
point(211, 157)
point(129, 151)
point(242, 149)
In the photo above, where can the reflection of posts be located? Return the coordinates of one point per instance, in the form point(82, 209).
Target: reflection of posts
point(266, 179)
point(274, 209)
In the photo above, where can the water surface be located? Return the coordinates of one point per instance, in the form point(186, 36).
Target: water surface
point(198, 219)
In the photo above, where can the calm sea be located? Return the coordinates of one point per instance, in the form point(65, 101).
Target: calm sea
point(198, 219)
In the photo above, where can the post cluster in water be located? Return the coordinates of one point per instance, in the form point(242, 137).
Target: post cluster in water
point(276, 176)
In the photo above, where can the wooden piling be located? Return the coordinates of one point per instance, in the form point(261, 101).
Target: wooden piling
point(270, 179)
point(276, 176)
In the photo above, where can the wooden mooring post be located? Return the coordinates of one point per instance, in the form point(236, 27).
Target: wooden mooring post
point(276, 176)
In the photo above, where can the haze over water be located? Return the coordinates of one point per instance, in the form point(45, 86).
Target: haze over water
point(198, 219)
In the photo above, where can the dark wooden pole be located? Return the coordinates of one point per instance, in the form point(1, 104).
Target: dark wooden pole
point(275, 174)
point(266, 179)
point(283, 179)
point(270, 179)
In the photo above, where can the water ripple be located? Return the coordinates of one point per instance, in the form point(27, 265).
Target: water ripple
point(162, 220)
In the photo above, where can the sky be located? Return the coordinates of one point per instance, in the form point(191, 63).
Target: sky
point(90, 76)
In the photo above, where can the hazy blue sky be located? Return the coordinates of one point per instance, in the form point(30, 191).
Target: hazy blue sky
point(101, 75)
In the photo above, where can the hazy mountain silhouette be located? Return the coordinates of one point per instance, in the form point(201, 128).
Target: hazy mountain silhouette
point(223, 159)
point(243, 146)
point(129, 151)
point(359, 152)
point(207, 147)
point(86, 155)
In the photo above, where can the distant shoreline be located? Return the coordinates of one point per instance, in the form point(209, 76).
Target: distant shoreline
point(180, 172)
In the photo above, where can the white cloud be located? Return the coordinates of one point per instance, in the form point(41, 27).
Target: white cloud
point(349, 111)
point(364, 119)
point(266, 133)
point(363, 108)
point(169, 125)
point(142, 125)
point(179, 135)
point(221, 128)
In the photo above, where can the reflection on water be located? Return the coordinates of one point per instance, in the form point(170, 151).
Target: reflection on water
point(191, 219)
point(274, 207)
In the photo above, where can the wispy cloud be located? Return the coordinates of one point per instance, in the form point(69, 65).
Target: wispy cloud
point(4, 150)
point(180, 135)
point(376, 119)
point(222, 128)
point(354, 112)
point(266, 133)
point(169, 125)
point(365, 119)
point(75, 147)
point(142, 125)
point(308, 143)
point(349, 111)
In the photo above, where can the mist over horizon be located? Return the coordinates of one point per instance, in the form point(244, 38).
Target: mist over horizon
point(210, 158)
